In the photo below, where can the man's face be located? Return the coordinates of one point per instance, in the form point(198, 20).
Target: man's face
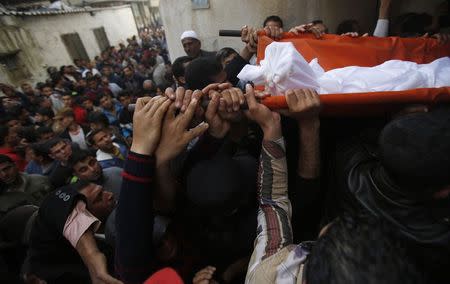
point(99, 202)
point(47, 91)
point(88, 104)
point(125, 101)
point(27, 89)
point(14, 125)
point(128, 72)
point(92, 84)
point(61, 151)
point(273, 24)
point(46, 136)
point(12, 138)
point(67, 101)
point(46, 103)
point(191, 46)
point(102, 141)
point(88, 169)
point(8, 172)
point(106, 102)
point(106, 71)
point(220, 78)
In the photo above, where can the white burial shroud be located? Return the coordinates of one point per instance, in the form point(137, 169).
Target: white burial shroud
point(285, 68)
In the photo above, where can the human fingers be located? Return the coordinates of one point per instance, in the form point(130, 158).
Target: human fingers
point(149, 104)
point(170, 114)
point(224, 86)
point(227, 100)
point(186, 117)
point(213, 106)
point(141, 102)
point(170, 93)
point(315, 31)
point(197, 131)
point(236, 100)
point(244, 34)
point(179, 96)
point(365, 35)
point(250, 97)
point(161, 111)
point(108, 279)
point(158, 102)
point(210, 87)
point(204, 275)
point(186, 100)
point(291, 99)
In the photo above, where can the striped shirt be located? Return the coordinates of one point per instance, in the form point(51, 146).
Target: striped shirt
point(275, 258)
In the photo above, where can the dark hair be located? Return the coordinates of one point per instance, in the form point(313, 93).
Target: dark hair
point(359, 249)
point(28, 133)
point(224, 53)
point(178, 66)
point(316, 22)
point(348, 26)
point(48, 145)
point(78, 156)
point(40, 151)
point(273, 18)
point(411, 24)
point(45, 112)
point(415, 150)
point(199, 72)
point(98, 117)
point(44, 85)
point(4, 131)
point(90, 137)
point(5, 159)
point(124, 94)
point(43, 130)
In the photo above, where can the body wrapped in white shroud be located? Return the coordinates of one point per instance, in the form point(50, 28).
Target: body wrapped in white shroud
point(285, 68)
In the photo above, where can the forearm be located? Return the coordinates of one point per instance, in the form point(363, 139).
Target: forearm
point(166, 188)
point(385, 6)
point(274, 213)
point(134, 220)
point(309, 149)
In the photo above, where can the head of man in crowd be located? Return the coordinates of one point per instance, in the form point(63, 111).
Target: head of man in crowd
point(99, 201)
point(101, 139)
point(345, 248)
point(46, 90)
point(98, 120)
point(85, 166)
point(415, 152)
point(273, 21)
point(44, 116)
point(105, 102)
point(318, 24)
point(107, 70)
point(9, 137)
point(125, 99)
point(348, 26)
point(225, 55)
point(67, 99)
point(65, 117)
point(59, 149)
point(178, 69)
point(27, 89)
point(191, 43)
point(204, 71)
point(9, 173)
point(148, 86)
point(128, 71)
point(44, 133)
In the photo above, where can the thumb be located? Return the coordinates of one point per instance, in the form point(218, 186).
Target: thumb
point(250, 96)
point(197, 131)
point(425, 35)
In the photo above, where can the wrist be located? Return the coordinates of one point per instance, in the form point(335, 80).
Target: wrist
point(311, 123)
point(142, 149)
point(272, 133)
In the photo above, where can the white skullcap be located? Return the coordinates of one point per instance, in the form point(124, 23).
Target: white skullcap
point(190, 34)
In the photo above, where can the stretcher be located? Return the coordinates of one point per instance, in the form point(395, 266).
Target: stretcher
point(335, 51)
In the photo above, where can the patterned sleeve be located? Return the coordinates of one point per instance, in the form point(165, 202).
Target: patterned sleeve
point(274, 230)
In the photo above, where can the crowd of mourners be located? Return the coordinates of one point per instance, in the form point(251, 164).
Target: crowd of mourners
point(135, 169)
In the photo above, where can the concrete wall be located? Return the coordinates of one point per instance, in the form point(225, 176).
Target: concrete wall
point(42, 46)
point(177, 16)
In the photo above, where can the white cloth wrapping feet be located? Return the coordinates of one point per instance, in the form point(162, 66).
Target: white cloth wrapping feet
point(285, 68)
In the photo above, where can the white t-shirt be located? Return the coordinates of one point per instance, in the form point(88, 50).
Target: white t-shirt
point(79, 138)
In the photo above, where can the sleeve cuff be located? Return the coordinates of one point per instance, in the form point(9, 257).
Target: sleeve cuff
point(139, 166)
point(78, 222)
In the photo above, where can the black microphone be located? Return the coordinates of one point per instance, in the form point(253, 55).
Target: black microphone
point(231, 33)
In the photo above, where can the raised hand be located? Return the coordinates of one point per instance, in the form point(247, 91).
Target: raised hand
point(204, 276)
point(175, 133)
point(303, 104)
point(147, 123)
point(268, 121)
